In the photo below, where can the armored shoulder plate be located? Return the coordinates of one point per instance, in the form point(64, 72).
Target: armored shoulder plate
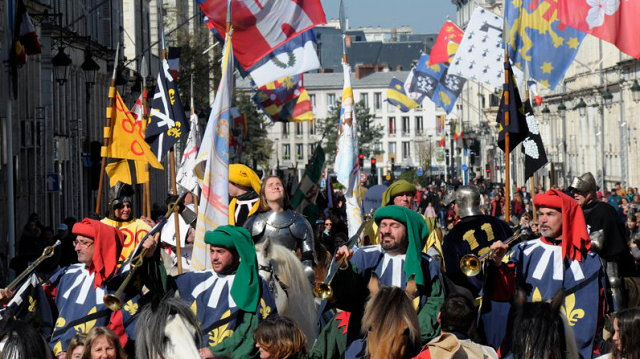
point(301, 228)
point(255, 224)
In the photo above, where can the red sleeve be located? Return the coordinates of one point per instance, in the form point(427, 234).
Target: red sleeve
point(504, 282)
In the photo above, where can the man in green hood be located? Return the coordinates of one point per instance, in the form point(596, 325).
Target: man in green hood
point(395, 260)
point(230, 300)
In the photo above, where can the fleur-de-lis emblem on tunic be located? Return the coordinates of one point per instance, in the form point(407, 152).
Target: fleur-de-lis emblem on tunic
point(217, 335)
point(573, 315)
point(86, 326)
point(131, 307)
point(32, 304)
point(265, 310)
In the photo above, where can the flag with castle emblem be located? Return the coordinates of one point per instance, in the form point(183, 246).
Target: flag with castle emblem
point(536, 39)
point(535, 155)
point(167, 120)
point(614, 21)
point(480, 56)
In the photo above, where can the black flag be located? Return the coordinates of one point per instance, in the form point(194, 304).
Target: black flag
point(532, 146)
point(517, 122)
point(167, 120)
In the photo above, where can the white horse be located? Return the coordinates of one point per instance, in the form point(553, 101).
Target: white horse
point(284, 273)
point(167, 329)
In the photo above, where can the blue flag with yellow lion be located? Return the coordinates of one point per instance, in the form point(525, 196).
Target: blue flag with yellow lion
point(537, 40)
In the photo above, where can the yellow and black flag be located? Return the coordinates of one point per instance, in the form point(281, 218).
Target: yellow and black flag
point(517, 128)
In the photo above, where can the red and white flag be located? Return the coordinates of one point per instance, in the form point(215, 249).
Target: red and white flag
point(262, 25)
point(614, 21)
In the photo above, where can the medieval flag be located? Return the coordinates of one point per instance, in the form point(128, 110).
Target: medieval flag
point(437, 83)
point(186, 176)
point(532, 146)
point(296, 56)
point(480, 56)
point(25, 42)
point(213, 210)
point(285, 100)
point(30, 303)
point(173, 59)
point(537, 41)
point(127, 143)
point(446, 44)
point(517, 128)
point(261, 27)
point(167, 120)
point(346, 165)
point(613, 21)
point(304, 198)
point(130, 171)
point(397, 96)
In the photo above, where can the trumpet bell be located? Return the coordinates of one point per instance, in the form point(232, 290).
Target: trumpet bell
point(322, 291)
point(112, 302)
point(470, 265)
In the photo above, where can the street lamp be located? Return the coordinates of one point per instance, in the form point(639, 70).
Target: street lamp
point(60, 64)
point(635, 91)
point(90, 68)
point(581, 107)
point(607, 97)
point(562, 108)
point(545, 112)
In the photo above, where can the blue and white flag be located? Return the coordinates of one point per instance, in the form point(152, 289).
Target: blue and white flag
point(213, 210)
point(295, 56)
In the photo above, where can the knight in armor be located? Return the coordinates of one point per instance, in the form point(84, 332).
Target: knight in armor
point(473, 234)
point(277, 220)
point(610, 243)
point(244, 189)
point(121, 217)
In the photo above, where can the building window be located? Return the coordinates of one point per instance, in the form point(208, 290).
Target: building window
point(419, 125)
point(299, 151)
point(331, 101)
point(406, 150)
point(377, 100)
point(405, 125)
point(377, 147)
point(312, 127)
point(285, 129)
point(311, 149)
point(364, 98)
point(392, 125)
point(299, 129)
point(312, 99)
point(286, 151)
point(392, 149)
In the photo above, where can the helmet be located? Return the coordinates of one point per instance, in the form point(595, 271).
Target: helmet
point(119, 194)
point(584, 184)
point(467, 199)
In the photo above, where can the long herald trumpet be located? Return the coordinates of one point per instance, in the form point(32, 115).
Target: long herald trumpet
point(114, 301)
point(323, 290)
point(47, 253)
point(471, 264)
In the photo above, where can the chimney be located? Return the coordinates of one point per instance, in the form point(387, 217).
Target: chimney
point(364, 70)
point(399, 68)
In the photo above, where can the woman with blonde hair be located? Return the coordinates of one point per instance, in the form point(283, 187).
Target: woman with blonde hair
point(76, 346)
point(102, 343)
point(279, 338)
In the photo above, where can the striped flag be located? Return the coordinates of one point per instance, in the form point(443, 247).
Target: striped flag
point(213, 210)
point(347, 167)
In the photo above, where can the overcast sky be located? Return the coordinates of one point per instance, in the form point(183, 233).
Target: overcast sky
point(423, 16)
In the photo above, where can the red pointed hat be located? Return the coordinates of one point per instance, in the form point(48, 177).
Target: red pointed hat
point(108, 244)
point(575, 238)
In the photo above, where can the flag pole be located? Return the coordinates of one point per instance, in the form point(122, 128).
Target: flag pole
point(343, 28)
point(109, 122)
point(193, 112)
point(532, 183)
point(146, 187)
point(507, 167)
point(172, 165)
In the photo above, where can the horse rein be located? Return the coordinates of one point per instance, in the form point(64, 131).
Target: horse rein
point(274, 278)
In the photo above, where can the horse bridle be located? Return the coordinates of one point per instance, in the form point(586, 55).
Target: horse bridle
point(274, 278)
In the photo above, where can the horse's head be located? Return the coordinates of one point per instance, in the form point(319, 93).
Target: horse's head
point(266, 262)
point(167, 329)
point(390, 321)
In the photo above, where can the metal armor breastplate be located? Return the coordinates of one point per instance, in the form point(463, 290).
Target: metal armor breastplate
point(279, 226)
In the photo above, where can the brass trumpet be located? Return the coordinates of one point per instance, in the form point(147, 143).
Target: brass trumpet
point(471, 264)
point(114, 301)
point(47, 253)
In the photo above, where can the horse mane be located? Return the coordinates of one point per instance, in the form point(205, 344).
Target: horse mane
point(391, 325)
point(150, 336)
point(22, 340)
